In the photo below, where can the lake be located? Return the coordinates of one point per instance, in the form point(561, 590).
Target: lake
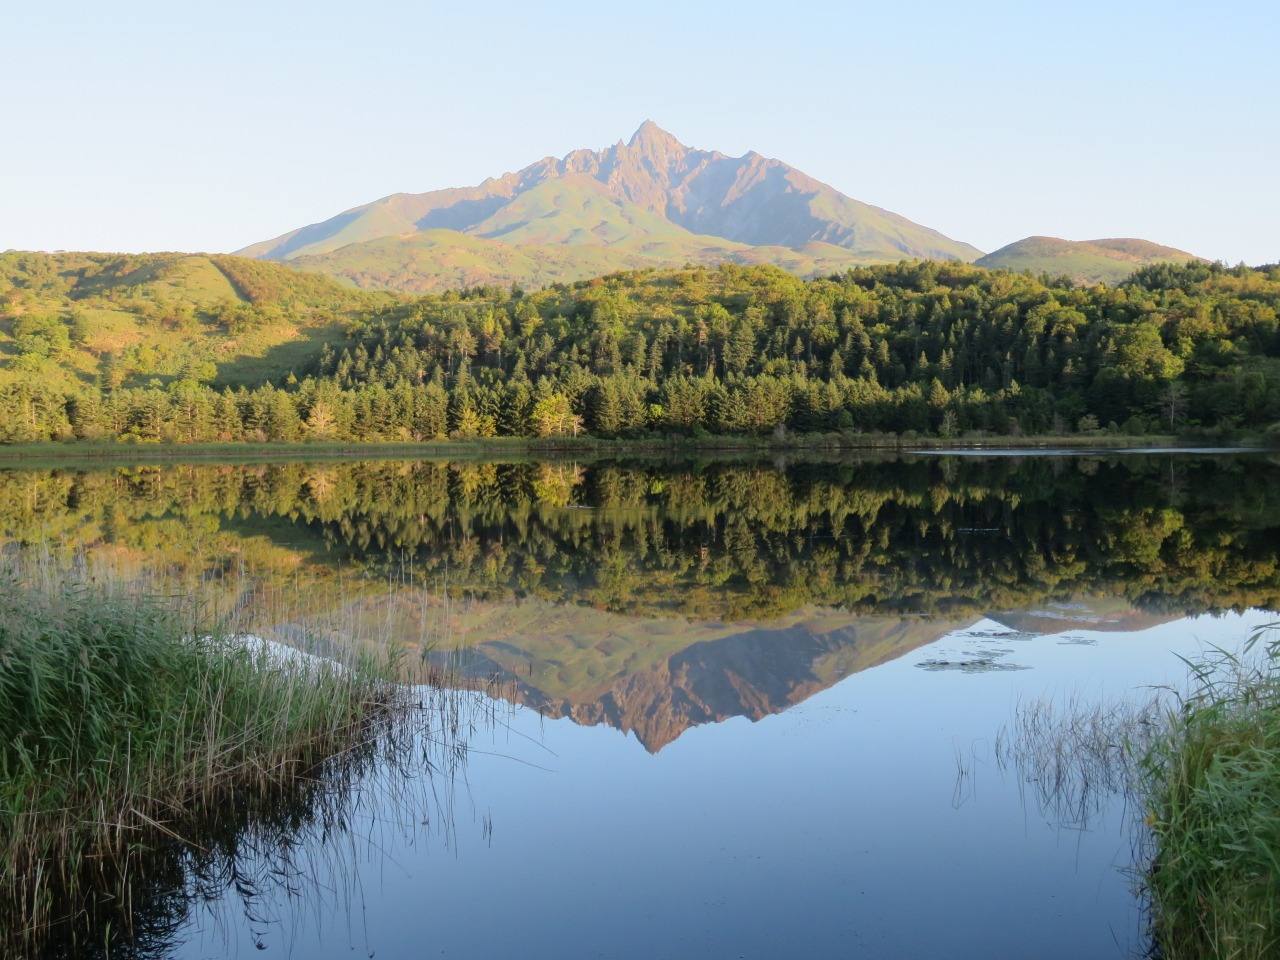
point(700, 708)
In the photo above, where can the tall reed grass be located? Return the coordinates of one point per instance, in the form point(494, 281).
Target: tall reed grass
point(1203, 768)
point(1212, 785)
point(127, 721)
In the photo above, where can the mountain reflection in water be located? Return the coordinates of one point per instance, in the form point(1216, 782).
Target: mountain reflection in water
point(658, 678)
point(657, 597)
point(654, 597)
point(740, 670)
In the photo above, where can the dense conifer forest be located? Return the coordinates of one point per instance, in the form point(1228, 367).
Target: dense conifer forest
point(921, 349)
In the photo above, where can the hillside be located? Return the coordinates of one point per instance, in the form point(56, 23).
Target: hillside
point(126, 320)
point(649, 202)
point(1085, 261)
point(433, 260)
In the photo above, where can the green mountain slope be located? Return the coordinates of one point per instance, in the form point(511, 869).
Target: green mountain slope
point(434, 260)
point(128, 320)
point(575, 210)
point(1085, 261)
point(649, 202)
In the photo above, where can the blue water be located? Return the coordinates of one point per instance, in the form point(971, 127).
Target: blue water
point(871, 820)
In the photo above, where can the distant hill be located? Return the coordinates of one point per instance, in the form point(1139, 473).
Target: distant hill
point(649, 202)
point(130, 319)
point(1086, 261)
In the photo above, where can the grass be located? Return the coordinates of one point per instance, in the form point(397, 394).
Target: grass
point(1213, 789)
point(1204, 768)
point(128, 725)
point(1075, 756)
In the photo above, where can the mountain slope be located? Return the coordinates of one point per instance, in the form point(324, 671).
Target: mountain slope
point(435, 260)
point(648, 202)
point(1086, 261)
point(71, 319)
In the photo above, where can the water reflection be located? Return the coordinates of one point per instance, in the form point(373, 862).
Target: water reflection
point(688, 674)
point(655, 597)
point(271, 856)
point(665, 600)
point(931, 536)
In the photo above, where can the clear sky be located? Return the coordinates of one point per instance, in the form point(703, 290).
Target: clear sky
point(180, 126)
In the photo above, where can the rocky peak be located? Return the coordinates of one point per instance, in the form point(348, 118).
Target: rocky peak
point(652, 141)
point(642, 170)
point(656, 152)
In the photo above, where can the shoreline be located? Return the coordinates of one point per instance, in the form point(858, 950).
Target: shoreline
point(522, 448)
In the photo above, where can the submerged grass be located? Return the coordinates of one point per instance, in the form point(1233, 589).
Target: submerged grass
point(1213, 786)
point(125, 720)
point(1075, 756)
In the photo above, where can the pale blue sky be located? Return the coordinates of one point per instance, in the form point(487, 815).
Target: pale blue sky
point(176, 126)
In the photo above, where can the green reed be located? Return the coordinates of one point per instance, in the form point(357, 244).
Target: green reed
point(1212, 784)
point(126, 719)
point(1203, 767)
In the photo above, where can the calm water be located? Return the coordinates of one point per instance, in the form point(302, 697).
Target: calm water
point(709, 709)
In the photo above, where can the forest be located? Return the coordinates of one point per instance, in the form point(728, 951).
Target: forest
point(917, 349)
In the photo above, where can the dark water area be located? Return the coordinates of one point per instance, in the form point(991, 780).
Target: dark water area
point(698, 708)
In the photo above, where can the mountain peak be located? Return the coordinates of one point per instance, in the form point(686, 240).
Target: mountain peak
point(650, 199)
point(650, 136)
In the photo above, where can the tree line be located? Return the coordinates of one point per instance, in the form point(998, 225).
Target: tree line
point(912, 349)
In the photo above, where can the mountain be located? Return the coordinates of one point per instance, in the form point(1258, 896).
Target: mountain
point(1086, 261)
point(651, 201)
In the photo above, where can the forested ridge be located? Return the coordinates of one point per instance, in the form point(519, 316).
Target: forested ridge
point(913, 349)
